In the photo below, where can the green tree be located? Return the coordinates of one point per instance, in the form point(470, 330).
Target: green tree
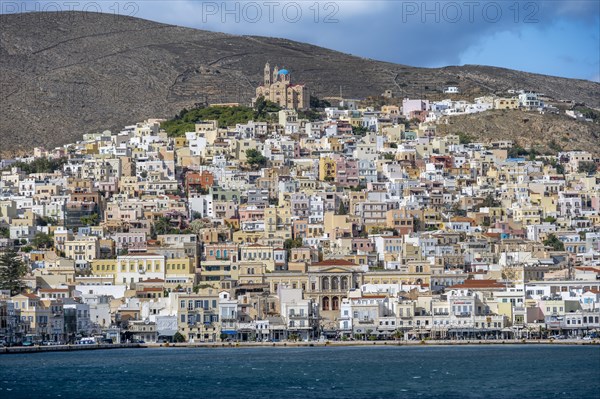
point(162, 226)
point(457, 210)
point(464, 138)
point(39, 165)
point(310, 114)
point(398, 334)
point(553, 242)
point(587, 167)
point(293, 337)
point(554, 146)
point(12, 271)
point(292, 243)
point(517, 151)
point(42, 240)
point(90, 220)
point(342, 209)
point(4, 232)
point(225, 116)
point(263, 107)
point(178, 337)
point(359, 130)
point(315, 102)
point(46, 220)
point(490, 202)
point(255, 158)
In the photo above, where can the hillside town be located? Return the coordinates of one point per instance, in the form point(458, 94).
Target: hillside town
point(363, 223)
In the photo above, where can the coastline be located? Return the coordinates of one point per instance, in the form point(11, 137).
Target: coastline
point(216, 345)
point(369, 343)
point(63, 348)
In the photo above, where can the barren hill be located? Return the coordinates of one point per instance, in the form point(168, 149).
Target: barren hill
point(528, 129)
point(64, 74)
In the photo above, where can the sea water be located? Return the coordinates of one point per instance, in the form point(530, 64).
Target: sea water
point(496, 371)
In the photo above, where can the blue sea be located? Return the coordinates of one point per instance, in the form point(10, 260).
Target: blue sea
point(497, 371)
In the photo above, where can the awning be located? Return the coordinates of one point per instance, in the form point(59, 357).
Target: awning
point(229, 332)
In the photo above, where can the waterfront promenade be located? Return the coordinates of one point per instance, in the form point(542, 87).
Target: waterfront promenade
point(296, 344)
point(292, 344)
point(63, 348)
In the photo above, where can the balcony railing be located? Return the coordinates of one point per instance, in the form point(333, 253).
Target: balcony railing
point(366, 321)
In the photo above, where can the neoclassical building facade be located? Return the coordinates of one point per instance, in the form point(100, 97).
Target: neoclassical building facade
point(278, 88)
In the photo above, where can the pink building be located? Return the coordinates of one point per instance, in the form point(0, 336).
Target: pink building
point(346, 171)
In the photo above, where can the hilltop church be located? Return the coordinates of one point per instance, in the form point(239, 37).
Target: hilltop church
point(278, 88)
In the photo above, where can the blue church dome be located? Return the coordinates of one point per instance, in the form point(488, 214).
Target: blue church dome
point(283, 72)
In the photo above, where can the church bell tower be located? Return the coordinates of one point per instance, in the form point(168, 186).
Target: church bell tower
point(267, 74)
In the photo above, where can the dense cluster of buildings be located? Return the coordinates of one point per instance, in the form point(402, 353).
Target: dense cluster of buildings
point(300, 230)
point(435, 111)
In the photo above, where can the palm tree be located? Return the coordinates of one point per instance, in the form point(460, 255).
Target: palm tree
point(398, 334)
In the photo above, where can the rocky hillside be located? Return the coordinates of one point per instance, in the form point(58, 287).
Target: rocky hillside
point(528, 129)
point(64, 74)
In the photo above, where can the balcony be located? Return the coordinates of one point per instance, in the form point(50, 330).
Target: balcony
point(463, 314)
point(297, 316)
point(366, 321)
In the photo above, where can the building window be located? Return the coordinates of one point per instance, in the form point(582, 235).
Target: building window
point(326, 303)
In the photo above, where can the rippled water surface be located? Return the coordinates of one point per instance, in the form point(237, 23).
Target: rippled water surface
point(320, 372)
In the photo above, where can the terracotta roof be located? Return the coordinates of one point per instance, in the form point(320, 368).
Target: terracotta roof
point(461, 219)
point(492, 235)
point(588, 269)
point(153, 280)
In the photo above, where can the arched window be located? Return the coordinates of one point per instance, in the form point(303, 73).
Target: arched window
point(325, 283)
point(335, 303)
point(335, 283)
point(326, 303)
point(344, 283)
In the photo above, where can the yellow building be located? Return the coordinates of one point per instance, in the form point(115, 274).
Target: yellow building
point(260, 254)
point(506, 103)
point(327, 169)
point(336, 226)
point(106, 268)
point(83, 249)
point(128, 269)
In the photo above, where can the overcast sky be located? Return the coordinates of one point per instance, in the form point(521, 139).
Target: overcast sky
point(554, 37)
